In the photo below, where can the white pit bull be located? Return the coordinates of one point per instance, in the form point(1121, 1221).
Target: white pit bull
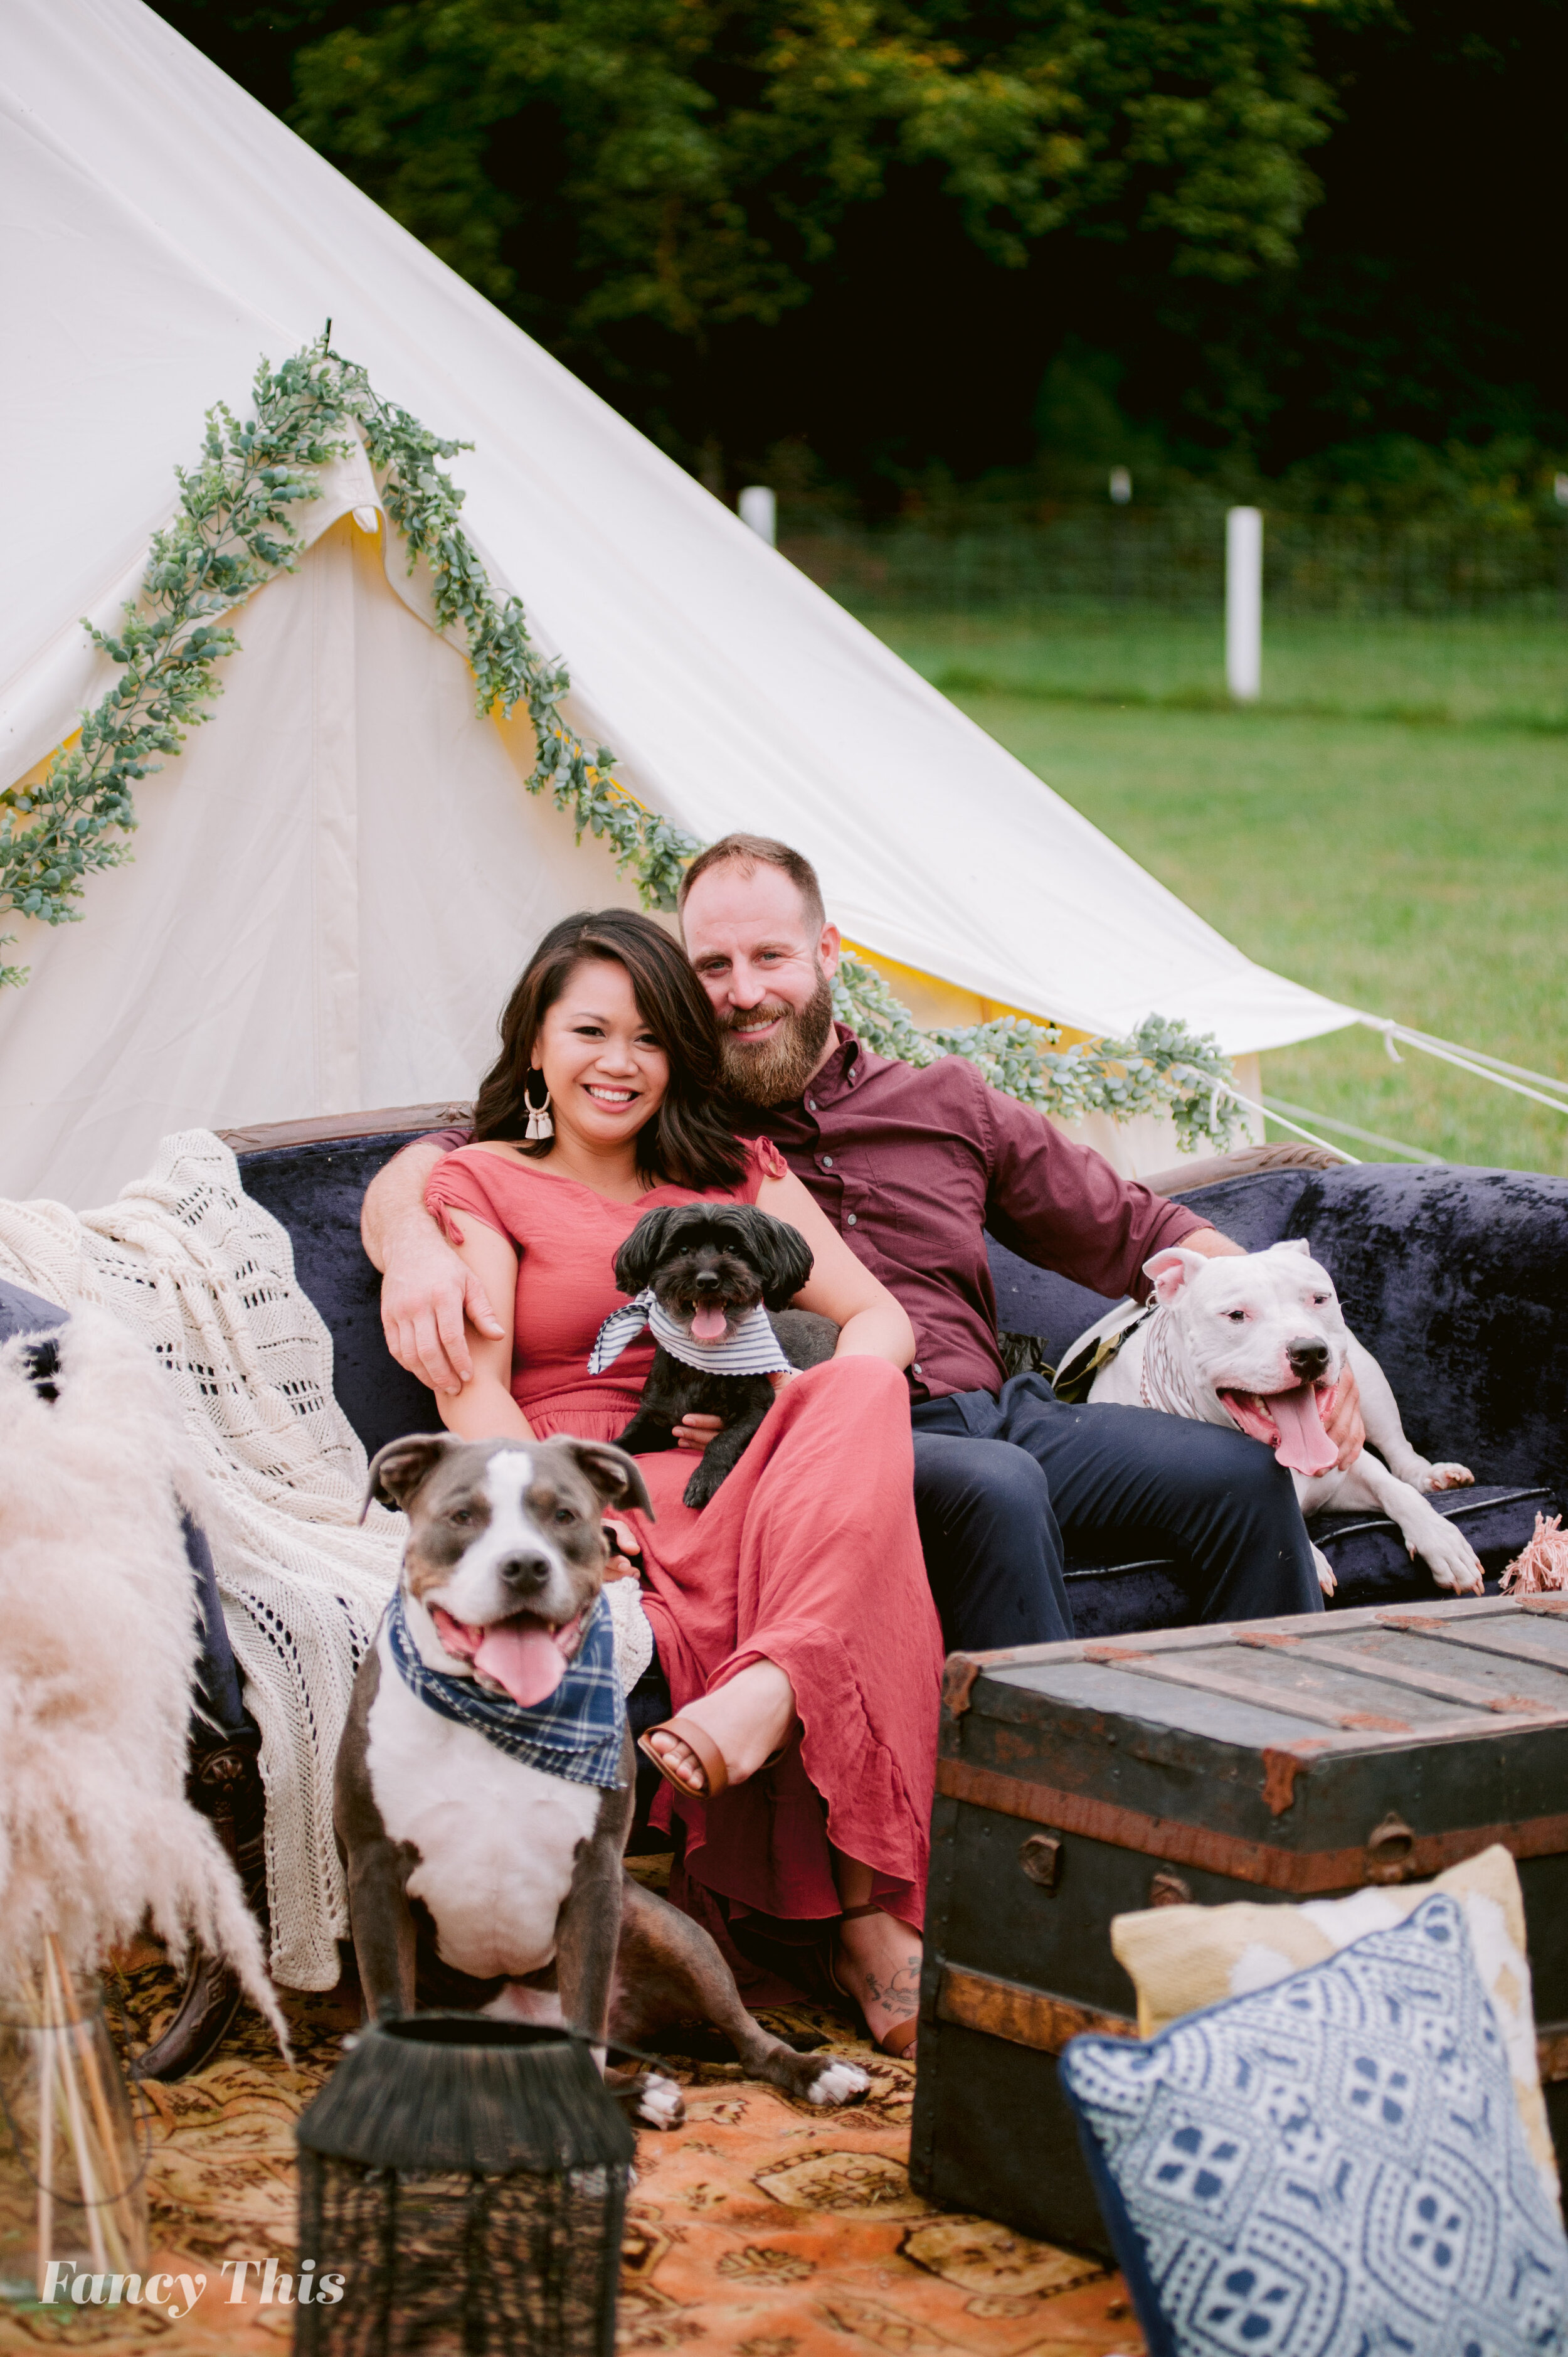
point(1260, 1341)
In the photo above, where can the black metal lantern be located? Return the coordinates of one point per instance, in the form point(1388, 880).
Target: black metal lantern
point(462, 2190)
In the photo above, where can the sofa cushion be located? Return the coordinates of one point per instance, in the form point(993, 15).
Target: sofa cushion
point(1365, 1552)
point(315, 1188)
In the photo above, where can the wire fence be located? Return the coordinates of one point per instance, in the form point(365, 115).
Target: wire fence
point(1172, 561)
point(1446, 621)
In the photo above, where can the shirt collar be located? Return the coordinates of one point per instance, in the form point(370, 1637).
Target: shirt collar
point(844, 1069)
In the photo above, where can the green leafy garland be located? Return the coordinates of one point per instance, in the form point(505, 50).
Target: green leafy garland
point(1162, 1067)
point(235, 531)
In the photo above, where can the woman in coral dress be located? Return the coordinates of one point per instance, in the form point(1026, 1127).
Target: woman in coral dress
point(792, 1615)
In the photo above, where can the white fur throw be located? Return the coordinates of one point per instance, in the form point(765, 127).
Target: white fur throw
point(97, 1608)
point(186, 1260)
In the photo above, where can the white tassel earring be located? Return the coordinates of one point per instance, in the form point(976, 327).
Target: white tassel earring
point(539, 1124)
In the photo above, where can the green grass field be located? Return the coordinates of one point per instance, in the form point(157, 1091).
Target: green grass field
point(1443, 673)
point(1417, 870)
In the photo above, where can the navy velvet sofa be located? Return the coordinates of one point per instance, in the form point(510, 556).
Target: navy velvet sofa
point(1455, 1278)
point(1452, 1276)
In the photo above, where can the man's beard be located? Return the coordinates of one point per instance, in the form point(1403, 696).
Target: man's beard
point(777, 1068)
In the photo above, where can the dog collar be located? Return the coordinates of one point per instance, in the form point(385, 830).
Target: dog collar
point(754, 1349)
point(1159, 1386)
point(577, 1732)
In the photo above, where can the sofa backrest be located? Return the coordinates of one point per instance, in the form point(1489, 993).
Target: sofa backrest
point(1453, 1277)
point(315, 1187)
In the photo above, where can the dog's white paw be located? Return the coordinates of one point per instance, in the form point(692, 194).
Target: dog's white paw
point(841, 2082)
point(1452, 1560)
point(660, 2102)
point(1326, 1578)
point(1450, 1477)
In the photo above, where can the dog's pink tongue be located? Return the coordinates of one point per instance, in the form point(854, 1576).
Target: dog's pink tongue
point(1302, 1445)
point(708, 1326)
point(522, 1656)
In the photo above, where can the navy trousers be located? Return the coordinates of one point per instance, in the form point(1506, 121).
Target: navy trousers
point(1005, 1487)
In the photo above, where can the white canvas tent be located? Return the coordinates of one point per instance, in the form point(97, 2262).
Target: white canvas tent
point(336, 882)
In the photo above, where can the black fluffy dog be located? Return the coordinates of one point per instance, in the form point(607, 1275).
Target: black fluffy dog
point(703, 1260)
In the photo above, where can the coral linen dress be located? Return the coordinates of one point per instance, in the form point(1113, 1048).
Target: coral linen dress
point(808, 1556)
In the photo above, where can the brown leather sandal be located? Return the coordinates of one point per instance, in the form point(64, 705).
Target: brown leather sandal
point(899, 2038)
point(686, 1730)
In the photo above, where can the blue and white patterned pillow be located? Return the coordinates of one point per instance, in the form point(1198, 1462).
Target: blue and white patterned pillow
point(1330, 2167)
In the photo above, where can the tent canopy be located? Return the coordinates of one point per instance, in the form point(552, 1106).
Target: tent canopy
point(335, 883)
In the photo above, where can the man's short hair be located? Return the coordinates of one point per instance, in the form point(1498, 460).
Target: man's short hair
point(749, 852)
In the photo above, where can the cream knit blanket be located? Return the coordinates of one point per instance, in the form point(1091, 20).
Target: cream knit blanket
point(206, 1276)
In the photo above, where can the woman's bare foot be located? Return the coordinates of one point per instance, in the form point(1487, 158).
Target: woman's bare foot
point(748, 1718)
point(877, 1962)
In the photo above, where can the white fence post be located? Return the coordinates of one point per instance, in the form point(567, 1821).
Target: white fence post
point(760, 509)
point(1244, 603)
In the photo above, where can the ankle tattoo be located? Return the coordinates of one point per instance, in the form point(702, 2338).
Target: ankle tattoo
point(901, 1993)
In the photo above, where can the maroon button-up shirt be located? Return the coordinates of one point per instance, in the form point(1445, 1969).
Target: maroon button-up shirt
point(913, 1165)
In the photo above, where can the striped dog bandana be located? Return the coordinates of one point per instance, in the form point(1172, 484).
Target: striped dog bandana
point(754, 1349)
point(576, 1733)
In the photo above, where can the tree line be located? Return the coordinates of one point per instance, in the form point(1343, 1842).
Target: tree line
point(879, 249)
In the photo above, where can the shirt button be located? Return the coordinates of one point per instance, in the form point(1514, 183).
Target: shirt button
point(827, 1162)
point(811, 1105)
point(916, 1366)
point(850, 1221)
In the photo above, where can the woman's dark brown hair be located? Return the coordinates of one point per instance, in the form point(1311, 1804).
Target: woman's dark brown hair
point(686, 1144)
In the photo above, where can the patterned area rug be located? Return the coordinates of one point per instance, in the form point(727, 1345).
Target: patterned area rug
point(762, 2227)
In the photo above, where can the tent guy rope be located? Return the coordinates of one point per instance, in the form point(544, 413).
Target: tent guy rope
point(1513, 1077)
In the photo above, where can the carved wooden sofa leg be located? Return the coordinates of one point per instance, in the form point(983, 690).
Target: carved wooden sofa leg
point(224, 1782)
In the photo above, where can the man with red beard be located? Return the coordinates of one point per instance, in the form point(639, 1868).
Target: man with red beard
point(914, 1166)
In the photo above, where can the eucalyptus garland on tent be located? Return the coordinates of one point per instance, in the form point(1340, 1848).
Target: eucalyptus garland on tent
point(233, 532)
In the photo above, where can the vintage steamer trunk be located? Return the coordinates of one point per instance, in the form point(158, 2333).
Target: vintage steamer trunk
point(1282, 1760)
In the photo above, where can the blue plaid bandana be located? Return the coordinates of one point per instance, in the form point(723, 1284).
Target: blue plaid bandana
point(577, 1732)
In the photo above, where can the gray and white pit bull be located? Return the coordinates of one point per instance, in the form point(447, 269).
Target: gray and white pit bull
point(498, 1884)
point(1260, 1341)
